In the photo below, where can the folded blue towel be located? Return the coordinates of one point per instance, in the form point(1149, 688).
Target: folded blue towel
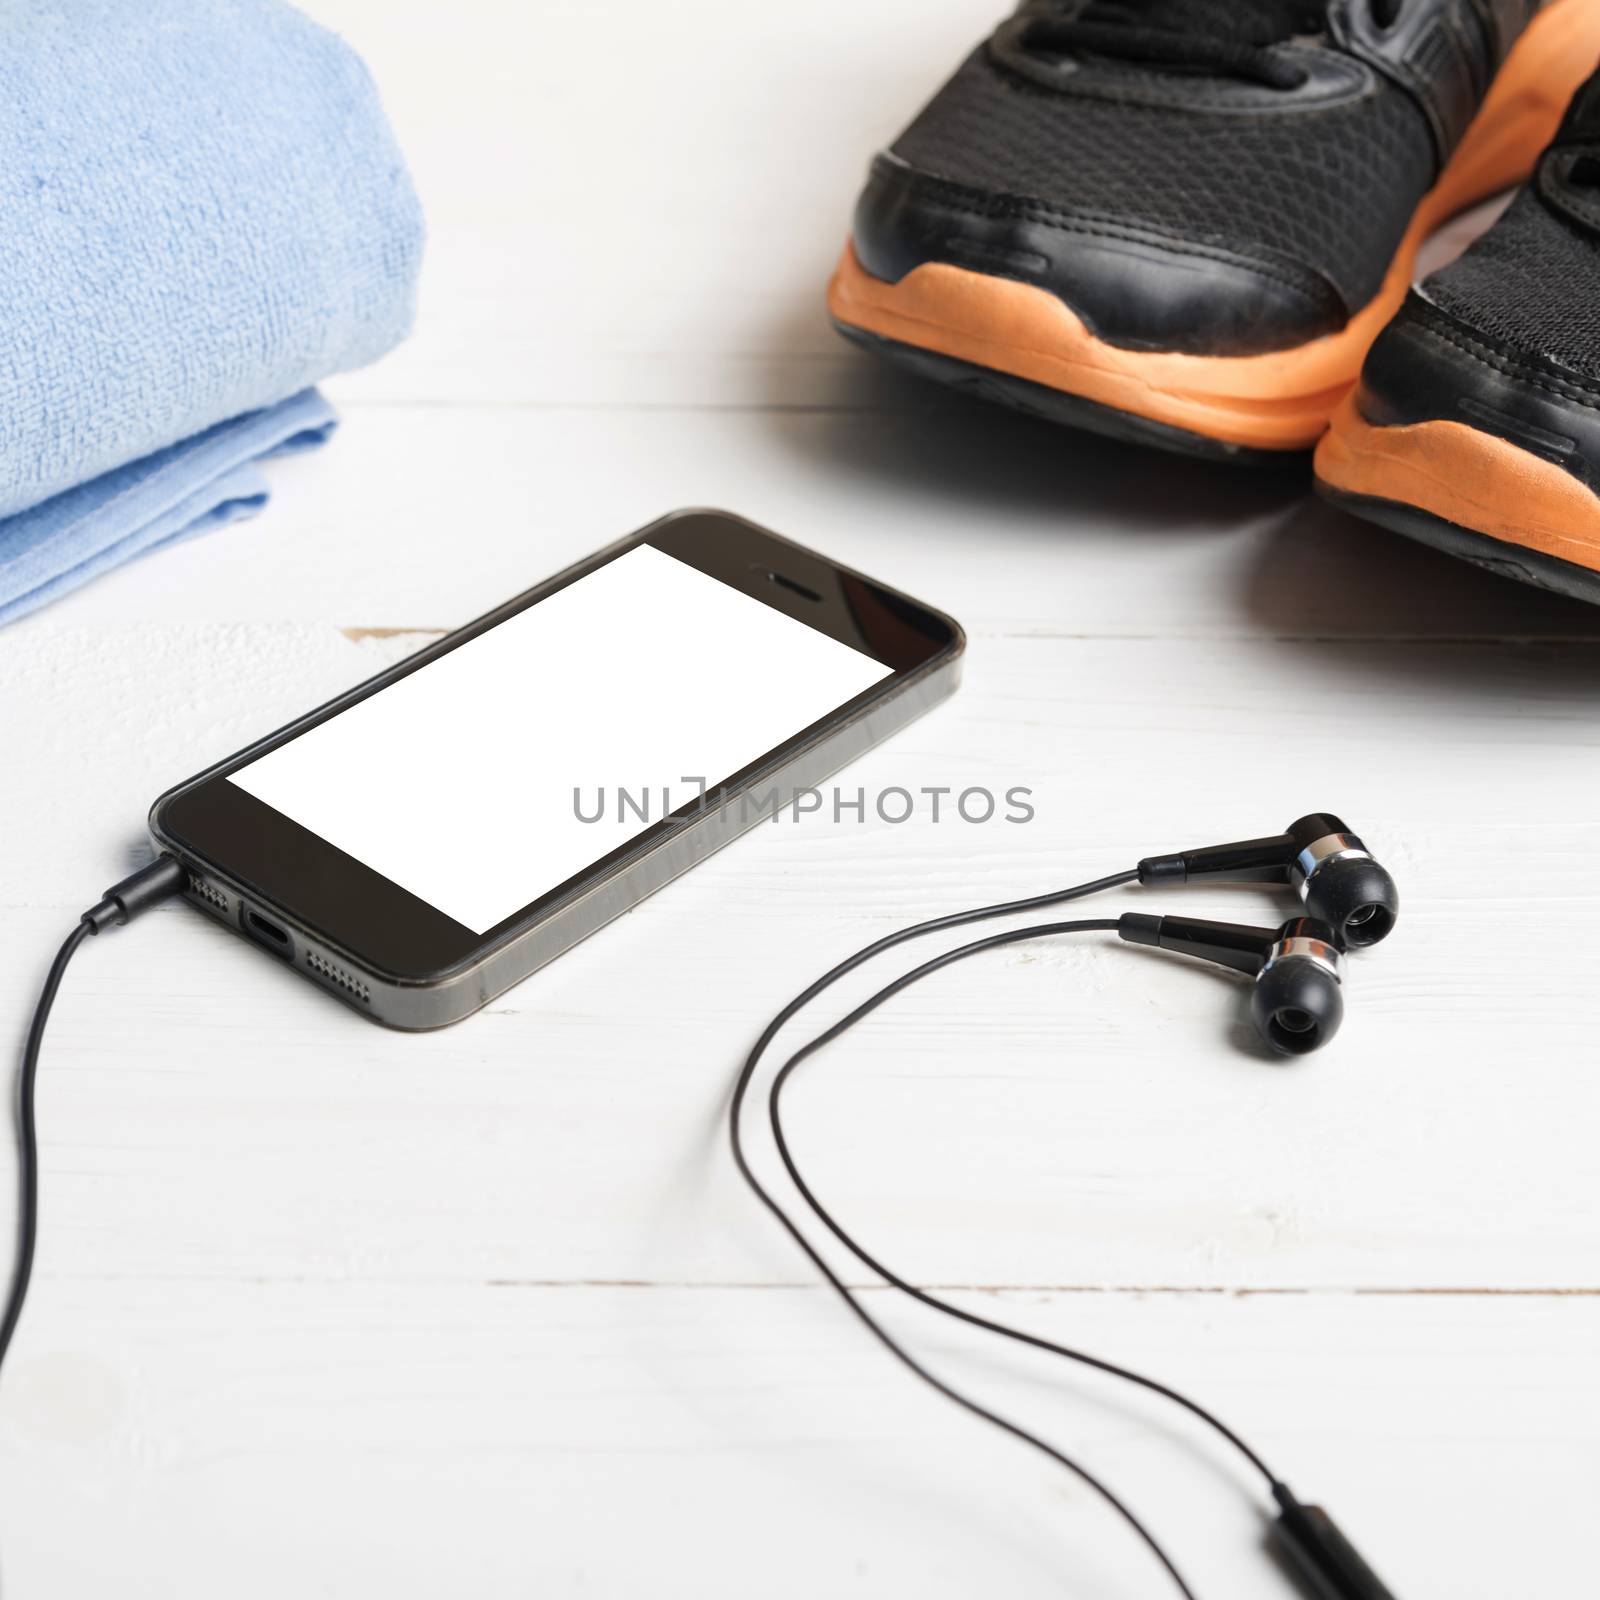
point(174, 494)
point(202, 213)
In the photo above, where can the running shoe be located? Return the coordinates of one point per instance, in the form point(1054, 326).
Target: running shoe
point(1185, 221)
point(1476, 424)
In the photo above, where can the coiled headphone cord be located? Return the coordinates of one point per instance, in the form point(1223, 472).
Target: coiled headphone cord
point(740, 1092)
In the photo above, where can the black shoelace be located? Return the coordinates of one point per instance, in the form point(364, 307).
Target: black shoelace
point(1231, 38)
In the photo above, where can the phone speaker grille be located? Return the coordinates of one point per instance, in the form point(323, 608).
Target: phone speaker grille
point(338, 977)
point(202, 890)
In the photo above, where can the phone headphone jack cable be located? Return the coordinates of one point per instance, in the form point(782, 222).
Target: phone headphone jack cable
point(121, 903)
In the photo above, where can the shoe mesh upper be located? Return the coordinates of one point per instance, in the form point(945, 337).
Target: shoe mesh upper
point(1533, 283)
point(1259, 20)
point(1332, 187)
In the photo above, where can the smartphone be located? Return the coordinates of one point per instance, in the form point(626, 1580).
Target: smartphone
point(425, 841)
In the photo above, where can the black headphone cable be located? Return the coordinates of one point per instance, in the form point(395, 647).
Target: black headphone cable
point(121, 903)
point(1308, 1536)
point(893, 1279)
point(819, 1261)
point(1310, 1541)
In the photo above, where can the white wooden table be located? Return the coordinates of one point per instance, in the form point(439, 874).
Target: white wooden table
point(323, 1310)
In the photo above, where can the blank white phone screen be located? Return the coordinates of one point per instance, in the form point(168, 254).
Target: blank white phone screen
point(467, 782)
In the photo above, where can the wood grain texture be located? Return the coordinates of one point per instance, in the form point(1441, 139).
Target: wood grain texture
point(323, 1309)
point(407, 1439)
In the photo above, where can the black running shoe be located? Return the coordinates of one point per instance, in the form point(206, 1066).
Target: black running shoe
point(1476, 424)
point(1185, 221)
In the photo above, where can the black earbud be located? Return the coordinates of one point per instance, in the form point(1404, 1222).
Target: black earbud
point(1298, 1001)
point(1333, 872)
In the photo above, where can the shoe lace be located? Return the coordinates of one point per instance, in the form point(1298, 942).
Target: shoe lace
point(1230, 38)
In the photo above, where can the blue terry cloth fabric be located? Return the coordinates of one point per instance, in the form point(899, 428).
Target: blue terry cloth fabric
point(186, 489)
point(202, 214)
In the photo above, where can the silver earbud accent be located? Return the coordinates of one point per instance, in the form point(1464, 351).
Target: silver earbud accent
point(1307, 949)
point(1331, 847)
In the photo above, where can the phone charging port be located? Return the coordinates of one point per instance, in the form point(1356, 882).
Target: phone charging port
point(268, 933)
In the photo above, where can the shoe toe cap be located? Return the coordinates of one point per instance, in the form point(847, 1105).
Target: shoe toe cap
point(1132, 284)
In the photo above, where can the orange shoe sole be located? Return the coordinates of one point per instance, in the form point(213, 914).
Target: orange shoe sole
point(1469, 492)
point(1277, 402)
